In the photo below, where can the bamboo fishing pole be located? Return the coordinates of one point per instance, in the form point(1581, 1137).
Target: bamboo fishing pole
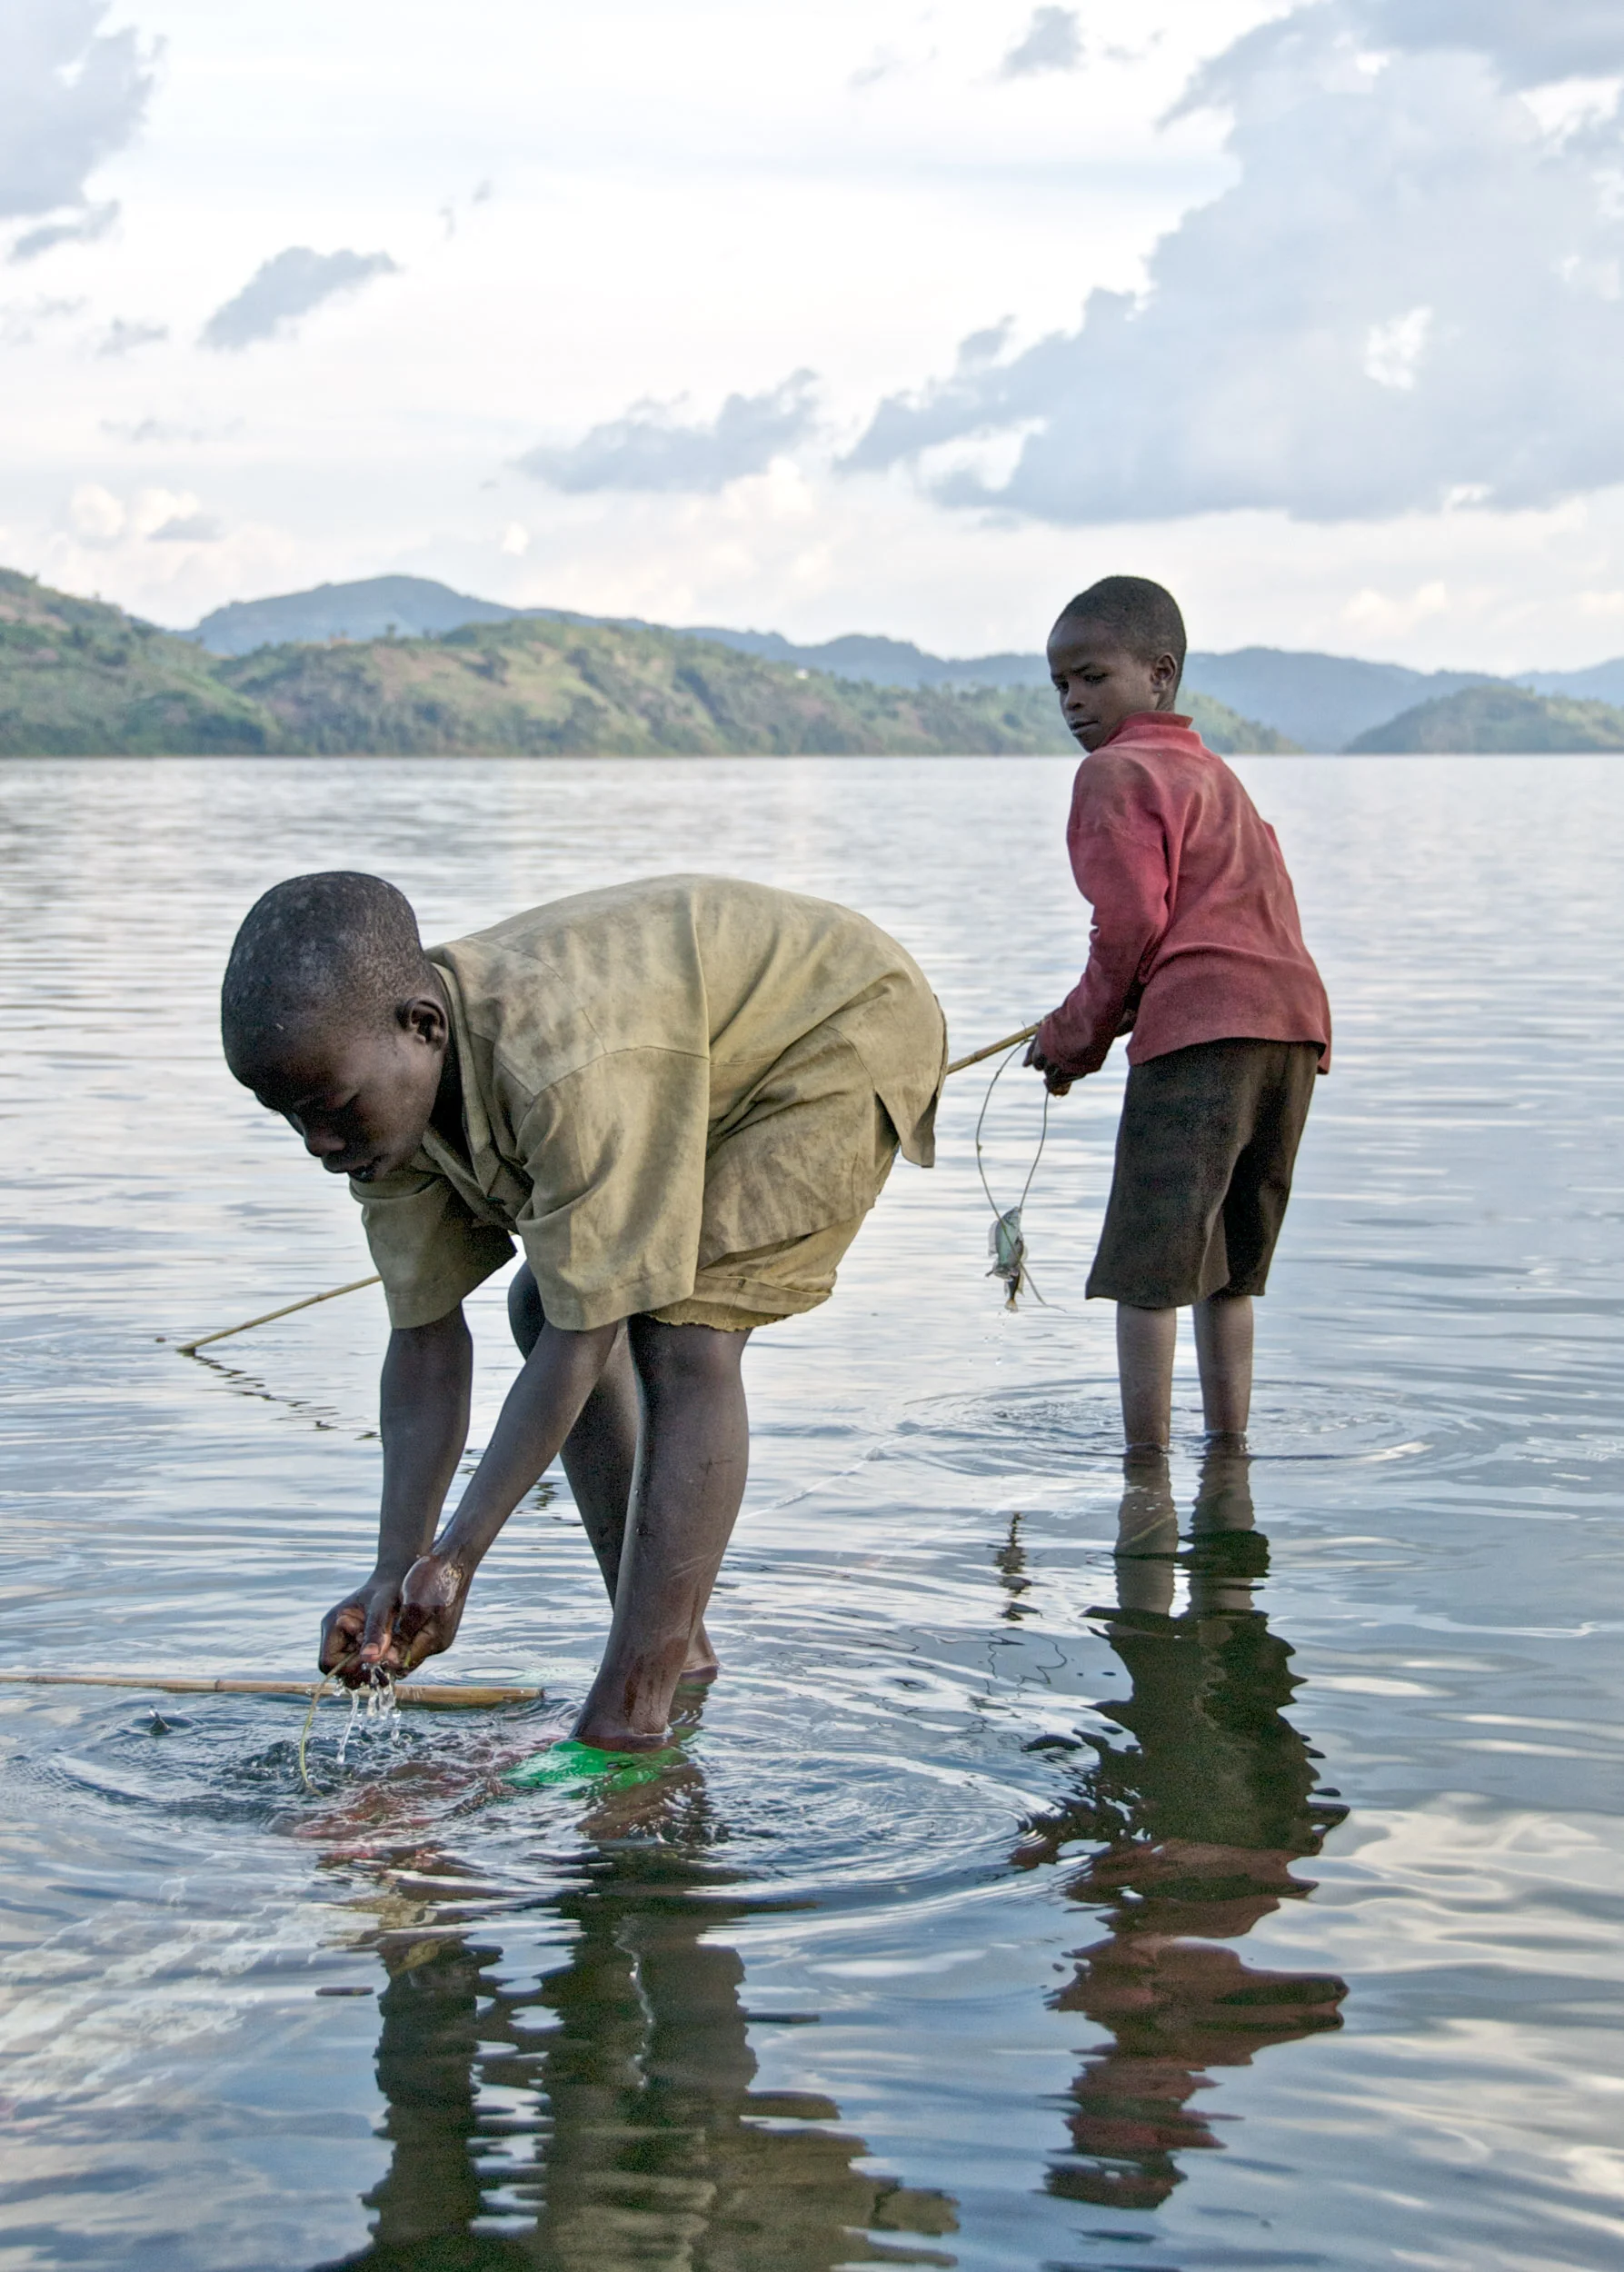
point(430, 1696)
point(269, 1316)
point(1010, 1041)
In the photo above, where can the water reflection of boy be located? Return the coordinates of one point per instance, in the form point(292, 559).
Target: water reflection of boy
point(631, 2069)
point(1197, 1827)
point(684, 1096)
point(1196, 951)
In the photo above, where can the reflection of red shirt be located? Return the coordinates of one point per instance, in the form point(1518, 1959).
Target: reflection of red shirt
point(1195, 936)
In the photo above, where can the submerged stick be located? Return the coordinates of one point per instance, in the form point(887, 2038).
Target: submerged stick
point(430, 1696)
point(190, 1349)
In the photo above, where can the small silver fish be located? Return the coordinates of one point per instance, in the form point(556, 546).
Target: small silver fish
point(1008, 1249)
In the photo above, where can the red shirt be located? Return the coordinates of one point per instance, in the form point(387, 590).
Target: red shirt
point(1195, 936)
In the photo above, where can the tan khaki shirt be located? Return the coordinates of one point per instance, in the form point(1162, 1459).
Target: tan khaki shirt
point(607, 1043)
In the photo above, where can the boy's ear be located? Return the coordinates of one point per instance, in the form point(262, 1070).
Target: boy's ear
point(425, 1020)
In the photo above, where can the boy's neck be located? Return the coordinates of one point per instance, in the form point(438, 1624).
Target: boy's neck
point(446, 1119)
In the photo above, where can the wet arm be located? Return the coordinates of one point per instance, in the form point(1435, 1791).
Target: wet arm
point(541, 1406)
point(1117, 844)
point(423, 1405)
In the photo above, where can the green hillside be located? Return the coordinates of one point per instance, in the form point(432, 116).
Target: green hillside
point(1227, 732)
point(78, 678)
point(535, 687)
point(1487, 721)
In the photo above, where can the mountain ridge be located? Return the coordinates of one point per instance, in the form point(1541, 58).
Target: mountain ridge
point(80, 678)
point(1496, 720)
point(1313, 699)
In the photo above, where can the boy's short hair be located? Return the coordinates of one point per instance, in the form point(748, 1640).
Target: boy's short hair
point(315, 951)
point(1144, 616)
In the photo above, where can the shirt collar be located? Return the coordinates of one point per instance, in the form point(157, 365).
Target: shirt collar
point(1152, 725)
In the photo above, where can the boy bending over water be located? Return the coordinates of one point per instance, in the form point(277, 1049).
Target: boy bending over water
point(1195, 951)
point(682, 1096)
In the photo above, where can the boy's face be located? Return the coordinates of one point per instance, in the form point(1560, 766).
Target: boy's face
point(361, 1097)
point(1099, 683)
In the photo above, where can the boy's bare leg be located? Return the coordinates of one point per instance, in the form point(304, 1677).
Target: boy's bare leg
point(1145, 1340)
point(1223, 1346)
point(600, 1455)
point(691, 1469)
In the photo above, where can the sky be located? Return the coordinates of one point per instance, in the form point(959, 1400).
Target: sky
point(818, 319)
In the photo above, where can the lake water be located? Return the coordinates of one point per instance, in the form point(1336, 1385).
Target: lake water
point(1252, 1902)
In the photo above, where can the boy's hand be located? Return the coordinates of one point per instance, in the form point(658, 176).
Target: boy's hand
point(362, 1628)
point(433, 1600)
point(1058, 1084)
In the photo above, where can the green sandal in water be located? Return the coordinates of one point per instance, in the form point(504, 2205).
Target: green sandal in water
point(571, 1762)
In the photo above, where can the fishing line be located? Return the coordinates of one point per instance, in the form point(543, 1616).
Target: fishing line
point(1005, 1241)
point(321, 1686)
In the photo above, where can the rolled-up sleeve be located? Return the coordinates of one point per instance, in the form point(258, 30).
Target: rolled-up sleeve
point(615, 1155)
point(430, 1250)
point(1116, 840)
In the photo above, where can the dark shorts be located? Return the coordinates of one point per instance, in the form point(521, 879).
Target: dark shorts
point(1207, 1140)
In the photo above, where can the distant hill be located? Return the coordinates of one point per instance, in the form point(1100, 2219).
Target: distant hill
point(80, 678)
point(406, 607)
point(1225, 730)
point(1602, 682)
point(1309, 700)
point(416, 607)
point(1320, 701)
point(538, 686)
point(886, 661)
point(1484, 721)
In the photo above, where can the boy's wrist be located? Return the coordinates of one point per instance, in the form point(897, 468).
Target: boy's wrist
point(469, 1534)
point(393, 1563)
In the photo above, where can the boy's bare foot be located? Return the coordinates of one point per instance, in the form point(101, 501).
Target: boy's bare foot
point(604, 1732)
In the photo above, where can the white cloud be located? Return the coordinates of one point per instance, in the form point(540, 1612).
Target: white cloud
point(652, 448)
point(692, 202)
point(158, 516)
point(20, 321)
point(87, 226)
point(122, 337)
point(187, 528)
point(70, 95)
point(1385, 614)
point(1532, 42)
point(1401, 297)
point(1052, 41)
point(1394, 349)
point(96, 514)
point(286, 287)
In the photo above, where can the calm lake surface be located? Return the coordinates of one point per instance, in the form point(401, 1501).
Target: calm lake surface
point(1253, 1901)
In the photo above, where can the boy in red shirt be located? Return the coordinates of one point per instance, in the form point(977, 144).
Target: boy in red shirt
point(1195, 951)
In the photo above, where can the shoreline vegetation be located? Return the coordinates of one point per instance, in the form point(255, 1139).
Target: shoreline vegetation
point(79, 678)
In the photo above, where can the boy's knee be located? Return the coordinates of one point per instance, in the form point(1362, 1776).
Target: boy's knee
point(684, 1354)
point(525, 1315)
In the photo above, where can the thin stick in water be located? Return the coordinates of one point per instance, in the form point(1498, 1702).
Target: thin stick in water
point(190, 1349)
